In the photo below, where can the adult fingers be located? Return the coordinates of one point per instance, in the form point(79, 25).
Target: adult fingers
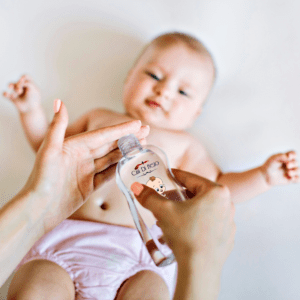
point(99, 137)
point(143, 132)
point(104, 176)
point(106, 161)
point(105, 167)
point(56, 131)
point(101, 151)
point(194, 183)
point(150, 199)
point(110, 158)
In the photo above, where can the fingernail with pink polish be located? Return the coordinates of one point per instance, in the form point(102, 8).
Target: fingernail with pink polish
point(137, 188)
point(57, 105)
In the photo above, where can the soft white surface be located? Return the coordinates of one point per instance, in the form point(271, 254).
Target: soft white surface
point(80, 52)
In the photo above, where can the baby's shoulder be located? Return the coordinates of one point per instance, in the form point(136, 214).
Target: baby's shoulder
point(188, 142)
point(182, 137)
point(100, 112)
point(171, 141)
point(102, 117)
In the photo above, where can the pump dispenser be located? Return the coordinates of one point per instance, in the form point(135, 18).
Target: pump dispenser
point(147, 165)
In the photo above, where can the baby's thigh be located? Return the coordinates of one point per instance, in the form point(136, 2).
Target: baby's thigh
point(41, 279)
point(146, 285)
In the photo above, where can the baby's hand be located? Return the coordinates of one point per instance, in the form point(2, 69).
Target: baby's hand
point(281, 169)
point(25, 95)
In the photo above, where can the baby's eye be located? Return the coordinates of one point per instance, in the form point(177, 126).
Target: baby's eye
point(183, 93)
point(157, 190)
point(152, 75)
point(161, 186)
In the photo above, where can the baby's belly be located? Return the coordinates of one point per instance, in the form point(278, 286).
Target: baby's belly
point(109, 205)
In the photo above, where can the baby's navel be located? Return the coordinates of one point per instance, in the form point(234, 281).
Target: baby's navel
point(104, 206)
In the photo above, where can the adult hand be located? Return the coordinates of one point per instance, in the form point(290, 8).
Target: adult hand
point(200, 231)
point(67, 171)
point(202, 226)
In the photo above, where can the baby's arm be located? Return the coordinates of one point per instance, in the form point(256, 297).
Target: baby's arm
point(279, 169)
point(26, 97)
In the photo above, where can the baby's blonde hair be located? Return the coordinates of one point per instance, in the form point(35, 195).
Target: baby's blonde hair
point(173, 38)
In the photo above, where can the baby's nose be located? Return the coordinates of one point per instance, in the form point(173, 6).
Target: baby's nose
point(164, 89)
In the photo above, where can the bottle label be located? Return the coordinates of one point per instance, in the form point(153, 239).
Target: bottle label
point(148, 168)
point(144, 168)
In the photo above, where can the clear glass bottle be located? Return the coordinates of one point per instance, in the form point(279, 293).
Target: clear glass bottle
point(148, 165)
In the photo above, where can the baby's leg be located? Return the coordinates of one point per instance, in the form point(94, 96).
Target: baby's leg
point(41, 279)
point(146, 285)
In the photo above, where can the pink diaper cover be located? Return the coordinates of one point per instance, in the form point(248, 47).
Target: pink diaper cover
point(98, 257)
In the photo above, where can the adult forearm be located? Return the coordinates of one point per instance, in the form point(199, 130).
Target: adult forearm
point(197, 280)
point(19, 230)
point(245, 185)
point(35, 126)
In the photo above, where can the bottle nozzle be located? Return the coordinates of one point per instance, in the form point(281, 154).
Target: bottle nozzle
point(129, 143)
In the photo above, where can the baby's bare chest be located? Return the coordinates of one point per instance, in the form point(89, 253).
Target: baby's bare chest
point(107, 204)
point(172, 143)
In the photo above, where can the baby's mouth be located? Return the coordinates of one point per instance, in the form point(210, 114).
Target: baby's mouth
point(153, 104)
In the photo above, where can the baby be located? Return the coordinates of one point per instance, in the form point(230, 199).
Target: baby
point(96, 253)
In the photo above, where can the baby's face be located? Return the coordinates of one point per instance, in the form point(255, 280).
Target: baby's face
point(157, 185)
point(168, 86)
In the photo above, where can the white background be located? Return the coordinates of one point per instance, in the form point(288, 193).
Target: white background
point(80, 52)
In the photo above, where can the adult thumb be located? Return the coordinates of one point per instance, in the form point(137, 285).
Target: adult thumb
point(150, 199)
point(56, 132)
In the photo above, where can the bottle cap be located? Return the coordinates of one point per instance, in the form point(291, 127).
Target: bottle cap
point(128, 143)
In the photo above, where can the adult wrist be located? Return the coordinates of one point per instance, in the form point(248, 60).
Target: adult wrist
point(198, 261)
point(23, 216)
point(198, 278)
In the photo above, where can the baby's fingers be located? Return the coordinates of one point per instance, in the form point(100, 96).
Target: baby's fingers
point(296, 179)
point(284, 157)
point(293, 164)
point(26, 78)
point(11, 86)
point(280, 157)
point(291, 155)
point(292, 173)
point(17, 88)
point(6, 94)
point(11, 96)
